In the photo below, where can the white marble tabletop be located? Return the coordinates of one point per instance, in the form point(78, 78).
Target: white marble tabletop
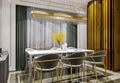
point(59, 51)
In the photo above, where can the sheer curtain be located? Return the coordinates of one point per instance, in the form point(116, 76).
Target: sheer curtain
point(82, 35)
point(39, 32)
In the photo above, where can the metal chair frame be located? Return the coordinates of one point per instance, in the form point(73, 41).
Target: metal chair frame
point(41, 69)
point(68, 58)
point(94, 62)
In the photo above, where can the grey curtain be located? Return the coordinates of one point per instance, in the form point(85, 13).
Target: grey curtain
point(39, 32)
point(21, 29)
point(72, 35)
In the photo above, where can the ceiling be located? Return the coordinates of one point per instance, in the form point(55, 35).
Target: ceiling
point(74, 6)
point(78, 6)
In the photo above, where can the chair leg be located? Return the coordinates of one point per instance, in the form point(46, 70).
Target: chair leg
point(40, 76)
point(95, 72)
point(82, 73)
point(78, 72)
point(105, 72)
point(83, 70)
point(52, 75)
point(57, 74)
point(71, 73)
point(34, 74)
point(61, 73)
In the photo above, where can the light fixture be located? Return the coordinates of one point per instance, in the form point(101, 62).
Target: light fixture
point(63, 15)
point(38, 12)
point(77, 16)
point(58, 16)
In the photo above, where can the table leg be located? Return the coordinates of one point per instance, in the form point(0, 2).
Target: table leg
point(30, 70)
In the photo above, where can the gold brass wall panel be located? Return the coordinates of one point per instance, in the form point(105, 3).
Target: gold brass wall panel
point(98, 29)
point(104, 30)
point(94, 25)
point(116, 33)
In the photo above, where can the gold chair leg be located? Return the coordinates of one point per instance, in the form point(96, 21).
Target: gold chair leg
point(95, 73)
point(61, 73)
point(40, 76)
point(57, 74)
point(105, 72)
point(81, 73)
point(71, 73)
point(34, 74)
point(84, 71)
point(78, 72)
point(52, 76)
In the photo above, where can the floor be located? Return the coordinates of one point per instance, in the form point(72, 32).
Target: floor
point(113, 77)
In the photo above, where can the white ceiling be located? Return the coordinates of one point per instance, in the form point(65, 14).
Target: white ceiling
point(79, 6)
point(75, 6)
point(81, 1)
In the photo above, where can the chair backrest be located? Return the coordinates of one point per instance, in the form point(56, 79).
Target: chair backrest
point(97, 56)
point(74, 59)
point(47, 61)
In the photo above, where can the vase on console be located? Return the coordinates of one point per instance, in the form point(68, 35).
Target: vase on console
point(59, 37)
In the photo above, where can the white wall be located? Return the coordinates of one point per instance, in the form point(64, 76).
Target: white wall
point(0, 23)
point(6, 23)
point(9, 22)
point(82, 35)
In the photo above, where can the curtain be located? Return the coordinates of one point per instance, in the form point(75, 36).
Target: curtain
point(82, 38)
point(21, 29)
point(39, 32)
point(72, 35)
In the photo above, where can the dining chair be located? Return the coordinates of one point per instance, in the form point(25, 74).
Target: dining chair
point(46, 63)
point(74, 60)
point(97, 58)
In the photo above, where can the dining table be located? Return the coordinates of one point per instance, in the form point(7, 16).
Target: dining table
point(38, 53)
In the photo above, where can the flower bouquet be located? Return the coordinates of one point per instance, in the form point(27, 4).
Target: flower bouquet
point(59, 38)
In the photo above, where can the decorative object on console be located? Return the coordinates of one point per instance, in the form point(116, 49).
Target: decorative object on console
point(58, 37)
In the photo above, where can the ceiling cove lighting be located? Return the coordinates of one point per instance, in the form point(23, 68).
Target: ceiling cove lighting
point(58, 16)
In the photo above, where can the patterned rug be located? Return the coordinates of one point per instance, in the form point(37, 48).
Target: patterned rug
point(90, 77)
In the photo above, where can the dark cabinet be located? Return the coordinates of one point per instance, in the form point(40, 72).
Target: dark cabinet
point(4, 68)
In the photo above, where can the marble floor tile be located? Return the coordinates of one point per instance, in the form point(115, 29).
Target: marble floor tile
point(113, 77)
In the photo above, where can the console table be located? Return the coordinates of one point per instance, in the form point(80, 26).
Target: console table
point(4, 67)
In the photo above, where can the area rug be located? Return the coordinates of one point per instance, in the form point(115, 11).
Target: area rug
point(113, 77)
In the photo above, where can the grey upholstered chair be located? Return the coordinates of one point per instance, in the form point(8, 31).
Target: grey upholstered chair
point(97, 58)
point(46, 63)
point(74, 60)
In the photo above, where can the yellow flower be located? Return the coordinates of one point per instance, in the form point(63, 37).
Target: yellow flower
point(58, 37)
